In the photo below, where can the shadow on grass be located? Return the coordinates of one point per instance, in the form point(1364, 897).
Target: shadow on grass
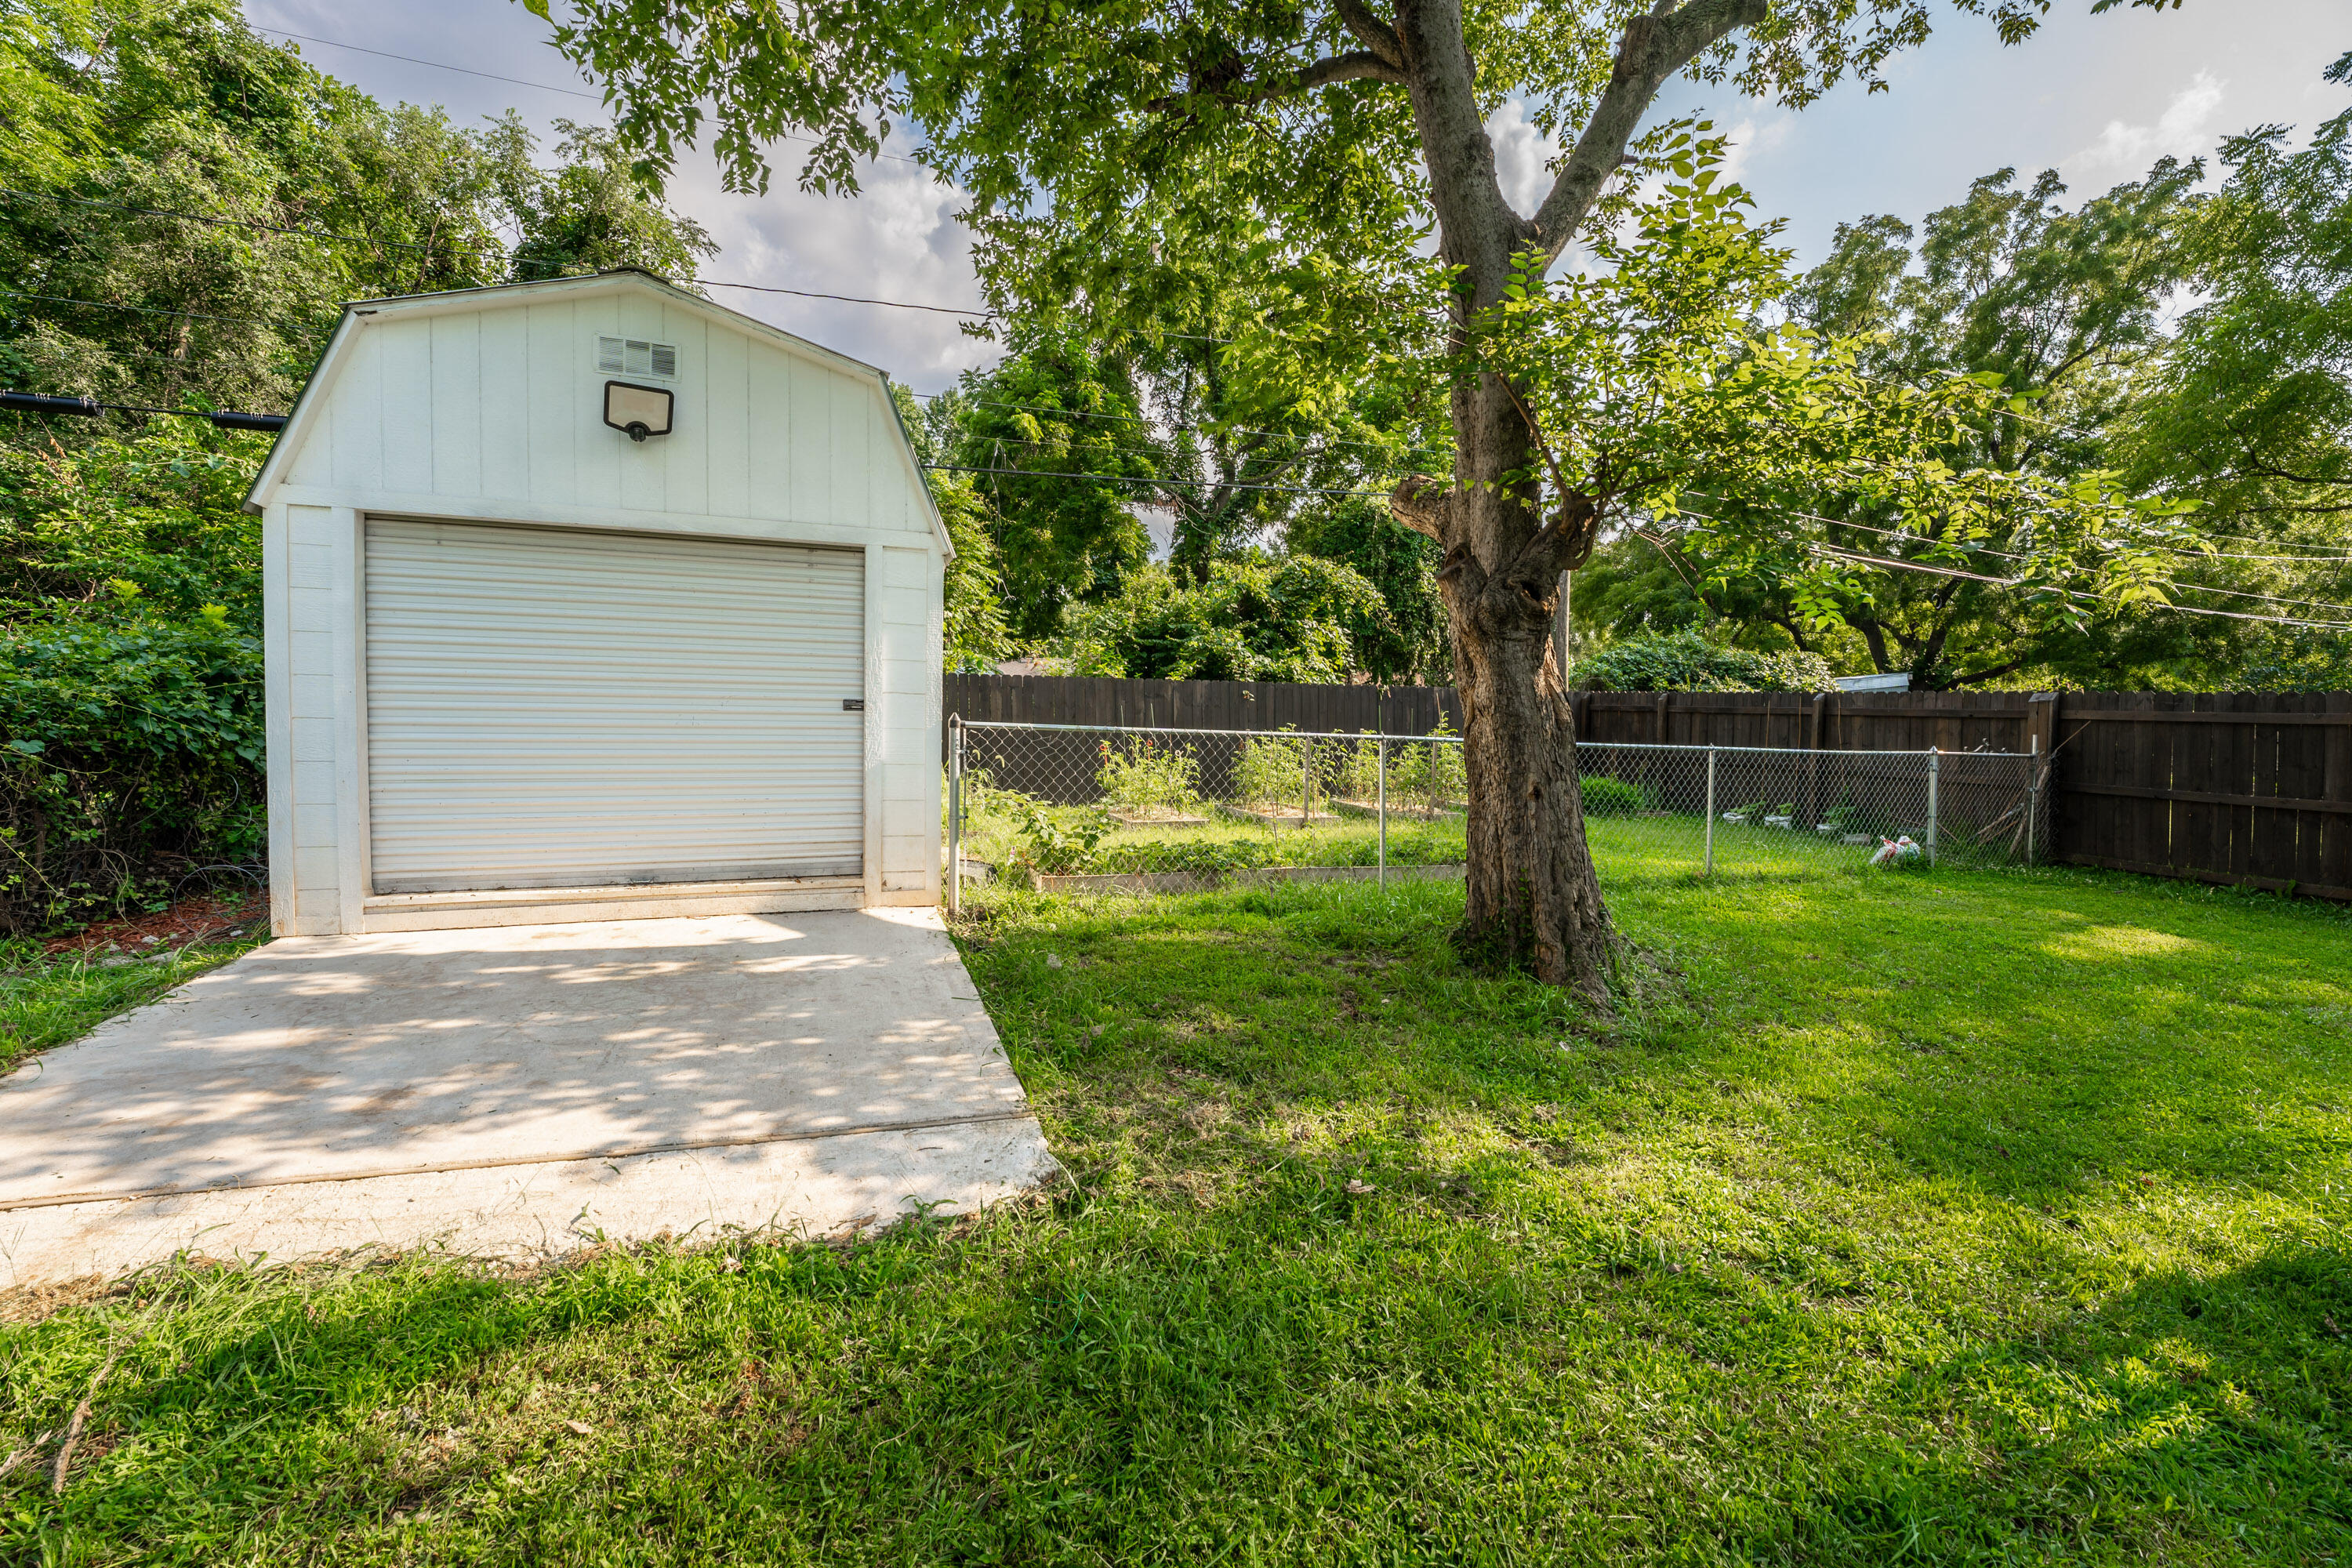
point(1977, 1220)
point(2187, 1408)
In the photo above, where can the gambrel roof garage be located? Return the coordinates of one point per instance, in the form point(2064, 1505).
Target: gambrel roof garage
point(588, 598)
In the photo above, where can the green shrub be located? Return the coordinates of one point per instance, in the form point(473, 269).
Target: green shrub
point(130, 695)
point(1148, 778)
point(1270, 771)
point(1606, 796)
point(1686, 662)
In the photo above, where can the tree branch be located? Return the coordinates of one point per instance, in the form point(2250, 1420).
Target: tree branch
point(1358, 64)
point(1375, 35)
point(1654, 49)
point(1423, 505)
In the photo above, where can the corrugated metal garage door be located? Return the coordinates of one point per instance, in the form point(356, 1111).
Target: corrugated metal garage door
point(558, 708)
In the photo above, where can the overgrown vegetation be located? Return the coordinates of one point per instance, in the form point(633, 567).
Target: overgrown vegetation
point(1964, 1218)
point(130, 671)
point(131, 745)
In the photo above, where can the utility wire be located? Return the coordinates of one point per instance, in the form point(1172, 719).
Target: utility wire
point(511, 81)
point(1859, 559)
point(2011, 555)
point(1131, 480)
point(500, 253)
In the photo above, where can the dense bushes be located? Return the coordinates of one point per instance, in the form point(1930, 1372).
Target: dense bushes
point(130, 695)
point(1686, 662)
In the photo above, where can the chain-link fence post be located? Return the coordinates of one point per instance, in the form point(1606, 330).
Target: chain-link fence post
point(2033, 797)
point(1381, 807)
point(1306, 787)
point(1934, 770)
point(955, 813)
point(1710, 812)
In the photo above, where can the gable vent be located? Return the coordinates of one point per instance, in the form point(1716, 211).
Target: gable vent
point(634, 356)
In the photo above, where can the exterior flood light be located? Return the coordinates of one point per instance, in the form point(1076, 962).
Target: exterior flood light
point(637, 412)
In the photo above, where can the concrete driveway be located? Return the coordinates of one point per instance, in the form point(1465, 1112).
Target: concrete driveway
point(518, 1092)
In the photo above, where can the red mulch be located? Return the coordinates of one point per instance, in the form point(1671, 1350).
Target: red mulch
point(199, 918)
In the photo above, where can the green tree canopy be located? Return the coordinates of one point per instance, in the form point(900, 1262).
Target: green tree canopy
point(157, 156)
point(1296, 618)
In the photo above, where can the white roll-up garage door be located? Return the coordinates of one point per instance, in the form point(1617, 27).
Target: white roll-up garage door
point(561, 709)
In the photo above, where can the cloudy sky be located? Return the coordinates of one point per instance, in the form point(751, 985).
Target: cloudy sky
point(2098, 98)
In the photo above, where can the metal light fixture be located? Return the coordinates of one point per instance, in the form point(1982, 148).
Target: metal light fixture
point(638, 411)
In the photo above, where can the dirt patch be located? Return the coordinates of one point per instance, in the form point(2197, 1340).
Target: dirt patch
point(199, 918)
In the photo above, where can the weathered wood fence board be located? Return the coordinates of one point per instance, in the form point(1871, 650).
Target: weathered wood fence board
point(1201, 704)
point(2247, 788)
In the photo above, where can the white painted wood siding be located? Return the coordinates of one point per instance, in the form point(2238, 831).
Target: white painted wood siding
point(505, 404)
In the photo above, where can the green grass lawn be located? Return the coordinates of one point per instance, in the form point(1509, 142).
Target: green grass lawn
point(1957, 1217)
point(47, 1001)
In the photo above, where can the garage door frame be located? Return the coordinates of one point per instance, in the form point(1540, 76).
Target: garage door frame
point(366, 910)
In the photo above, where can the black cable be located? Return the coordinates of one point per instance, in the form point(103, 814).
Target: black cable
point(90, 408)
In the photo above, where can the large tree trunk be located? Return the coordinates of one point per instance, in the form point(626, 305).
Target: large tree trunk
point(1534, 901)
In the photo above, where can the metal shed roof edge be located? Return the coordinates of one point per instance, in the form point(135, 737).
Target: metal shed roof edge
point(359, 312)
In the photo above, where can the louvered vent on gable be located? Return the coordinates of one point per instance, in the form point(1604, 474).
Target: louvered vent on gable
point(637, 356)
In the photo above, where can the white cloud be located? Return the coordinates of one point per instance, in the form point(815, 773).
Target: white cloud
point(1523, 156)
point(896, 239)
point(1747, 139)
point(2182, 131)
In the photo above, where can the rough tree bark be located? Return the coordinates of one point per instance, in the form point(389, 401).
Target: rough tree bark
point(1533, 896)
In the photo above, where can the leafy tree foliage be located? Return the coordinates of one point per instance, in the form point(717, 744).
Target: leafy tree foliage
point(130, 668)
point(1035, 429)
point(1296, 618)
point(1687, 662)
point(133, 110)
point(1651, 390)
point(1407, 645)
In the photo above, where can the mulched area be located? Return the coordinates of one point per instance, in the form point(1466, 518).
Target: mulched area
point(227, 916)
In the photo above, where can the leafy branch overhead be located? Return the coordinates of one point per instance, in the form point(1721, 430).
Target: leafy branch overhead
point(1655, 394)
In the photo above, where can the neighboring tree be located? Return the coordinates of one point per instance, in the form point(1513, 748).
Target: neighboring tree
point(2249, 410)
point(117, 116)
point(1110, 155)
point(1408, 645)
point(1687, 662)
point(590, 213)
point(1051, 411)
point(1297, 618)
point(975, 634)
point(2064, 306)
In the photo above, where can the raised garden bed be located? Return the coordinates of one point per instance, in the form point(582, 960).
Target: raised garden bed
point(1279, 818)
point(1415, 812)
point(1157, 818)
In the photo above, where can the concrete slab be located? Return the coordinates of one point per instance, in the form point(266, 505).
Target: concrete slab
point(517, 1090)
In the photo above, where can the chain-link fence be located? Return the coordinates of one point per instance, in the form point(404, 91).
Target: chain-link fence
point(1757, 808)
point(1092, 808)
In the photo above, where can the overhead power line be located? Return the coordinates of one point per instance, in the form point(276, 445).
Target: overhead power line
point(1133, 479)
point(89, 408)
point(511, 81)
point(1858, 559)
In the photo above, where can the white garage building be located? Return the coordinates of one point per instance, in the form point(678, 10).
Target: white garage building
point(588, 599)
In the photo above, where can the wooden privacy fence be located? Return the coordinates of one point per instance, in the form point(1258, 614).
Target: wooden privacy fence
point(1200, 704)
point(2248, 789)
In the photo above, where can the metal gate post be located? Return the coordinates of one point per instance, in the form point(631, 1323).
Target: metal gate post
point(1934, 768)
point(1381, 801)
point(955, 813)
point(1710, 812)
